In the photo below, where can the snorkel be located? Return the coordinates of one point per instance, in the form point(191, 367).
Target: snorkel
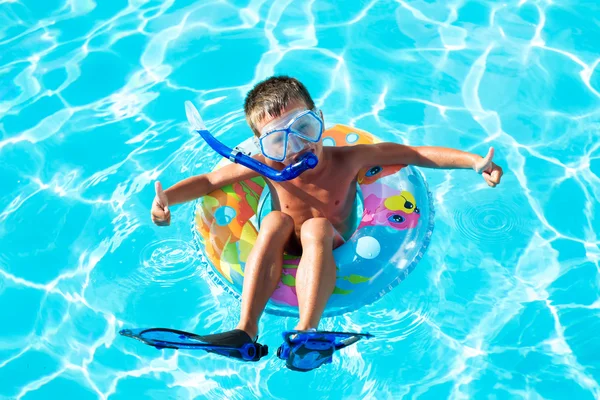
point(307, 161)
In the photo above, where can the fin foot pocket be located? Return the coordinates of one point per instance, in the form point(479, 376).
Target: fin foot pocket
point(307, 350)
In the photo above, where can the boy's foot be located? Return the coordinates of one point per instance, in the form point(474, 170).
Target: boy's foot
point(236, 343)
point(308, 350)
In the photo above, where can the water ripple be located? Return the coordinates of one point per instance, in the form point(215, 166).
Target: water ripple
point(167, 262)
point(490, 222)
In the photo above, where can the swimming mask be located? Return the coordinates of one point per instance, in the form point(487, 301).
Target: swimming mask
point(307, 161)
point(291, 133)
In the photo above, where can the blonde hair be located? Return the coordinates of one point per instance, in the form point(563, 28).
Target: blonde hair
point(272, 96)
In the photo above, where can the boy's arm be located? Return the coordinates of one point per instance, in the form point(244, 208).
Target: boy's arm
point(200, 185)
point(430, 157)
point(193, 188)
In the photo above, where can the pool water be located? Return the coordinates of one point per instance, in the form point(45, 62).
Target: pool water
point(506, 302)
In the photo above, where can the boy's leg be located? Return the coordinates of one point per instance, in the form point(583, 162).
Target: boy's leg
point(263, 269)
point(315, 279)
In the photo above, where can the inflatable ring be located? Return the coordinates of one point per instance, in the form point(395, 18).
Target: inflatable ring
point(395, 223)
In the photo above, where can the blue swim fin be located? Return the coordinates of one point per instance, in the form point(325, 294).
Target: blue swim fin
point(307, 350)
point(235, 344)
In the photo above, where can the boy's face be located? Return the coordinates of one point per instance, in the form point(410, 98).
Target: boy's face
point(296, 146)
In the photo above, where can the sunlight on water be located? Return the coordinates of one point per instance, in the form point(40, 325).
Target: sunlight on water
point(505, 303)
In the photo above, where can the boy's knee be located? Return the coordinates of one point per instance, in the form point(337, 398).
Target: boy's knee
point(276, 221)
point(316, 229)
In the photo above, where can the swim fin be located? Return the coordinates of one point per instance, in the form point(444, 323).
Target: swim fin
point(234, 344)
point(307, 350)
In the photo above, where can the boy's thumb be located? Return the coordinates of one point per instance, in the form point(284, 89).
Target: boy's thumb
point(162, 197)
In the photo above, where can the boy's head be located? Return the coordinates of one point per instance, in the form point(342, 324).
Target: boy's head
point(276, 105)
point(272, 97)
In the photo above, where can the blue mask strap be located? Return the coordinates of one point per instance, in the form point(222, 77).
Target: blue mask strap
point(306, 162)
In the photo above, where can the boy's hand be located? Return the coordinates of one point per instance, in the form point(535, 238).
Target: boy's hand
point(161, 215)
point(490, 171)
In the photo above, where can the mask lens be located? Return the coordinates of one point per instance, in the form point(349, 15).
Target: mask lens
point(295, 144)
point(273, 145)
point(308, 127)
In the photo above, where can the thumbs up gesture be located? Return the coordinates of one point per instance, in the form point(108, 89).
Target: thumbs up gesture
point(490, 171)
point(161, 215)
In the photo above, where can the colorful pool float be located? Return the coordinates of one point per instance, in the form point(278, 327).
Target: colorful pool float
point(395, 223)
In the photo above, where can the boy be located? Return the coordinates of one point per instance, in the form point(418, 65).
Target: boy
point(310, 213)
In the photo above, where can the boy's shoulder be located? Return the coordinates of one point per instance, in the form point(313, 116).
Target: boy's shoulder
point(345, 155)
point(349, 151)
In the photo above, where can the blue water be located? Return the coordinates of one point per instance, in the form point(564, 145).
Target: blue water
point(506, 303)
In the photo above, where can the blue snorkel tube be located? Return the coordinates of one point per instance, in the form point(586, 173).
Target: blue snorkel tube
point(306, 162)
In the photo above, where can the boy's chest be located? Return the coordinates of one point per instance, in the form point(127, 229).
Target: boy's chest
point(331, 196)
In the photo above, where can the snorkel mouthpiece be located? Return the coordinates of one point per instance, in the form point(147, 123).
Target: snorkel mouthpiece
point(307, 161)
